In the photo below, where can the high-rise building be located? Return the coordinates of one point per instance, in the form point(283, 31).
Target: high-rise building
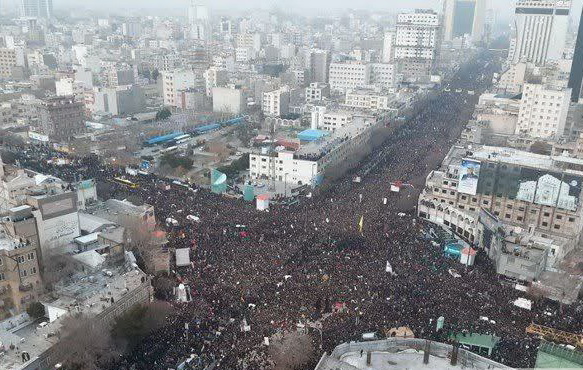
point(36, 8)
point(388, 47)
point(417, 42)
point(540, 30)
point(319, 65)
point(461, 17)
point(199, 21)
point(576, 76)
point(62, 117)
point(543, 111)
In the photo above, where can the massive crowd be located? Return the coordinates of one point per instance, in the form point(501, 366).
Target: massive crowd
point(296, 262)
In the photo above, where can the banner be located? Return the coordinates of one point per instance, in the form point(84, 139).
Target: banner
point(469, 175)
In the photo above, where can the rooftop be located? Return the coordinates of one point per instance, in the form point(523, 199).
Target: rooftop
point(397, 353)
point(89, 294)
point(319, 148)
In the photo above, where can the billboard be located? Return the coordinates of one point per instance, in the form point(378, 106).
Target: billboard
point(469, 174)
point(549, 189)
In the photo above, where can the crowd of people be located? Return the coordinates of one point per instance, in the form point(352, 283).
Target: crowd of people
point(296, 264)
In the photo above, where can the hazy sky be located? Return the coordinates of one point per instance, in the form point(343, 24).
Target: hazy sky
point(505, 6)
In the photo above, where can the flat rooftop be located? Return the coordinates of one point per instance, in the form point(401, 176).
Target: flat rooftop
point(89, 294)
point(327, 143)
point(401, 353)
point(514, 157)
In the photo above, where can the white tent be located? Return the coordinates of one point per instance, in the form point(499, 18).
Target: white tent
point(182, 257)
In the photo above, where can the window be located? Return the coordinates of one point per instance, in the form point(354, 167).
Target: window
point(559, 217)
point(571, 219)
point(2, 276)
point(33, 271)
point(23, 273)
point(557, 227)
point(545, 224)
point(546, 214)
point(507, 215)
point(30, 256)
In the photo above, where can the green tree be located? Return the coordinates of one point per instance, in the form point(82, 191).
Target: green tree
point(36, 310)
point(140, 321)
point(163, 114)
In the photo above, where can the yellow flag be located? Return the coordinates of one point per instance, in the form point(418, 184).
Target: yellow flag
point(360, 223)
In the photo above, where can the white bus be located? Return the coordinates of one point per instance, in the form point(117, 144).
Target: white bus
point(169, 149)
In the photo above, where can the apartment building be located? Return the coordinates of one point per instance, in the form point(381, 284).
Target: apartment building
point(249, 40)
point(367, 99)
point(8, 61)
point(20, 275)
point(316, 92)
point(62, 117)
point(276, 102)
point(543, 111)
point(417, 42)
point(313, 161)
point(175, 81)
point(348, 76)
point(537, 193)
point(215, 77)
point(540, 31)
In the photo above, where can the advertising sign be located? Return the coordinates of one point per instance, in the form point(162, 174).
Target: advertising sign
point(469, 174)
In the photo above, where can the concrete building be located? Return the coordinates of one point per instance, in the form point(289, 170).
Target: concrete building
point(314, 160)
point(349, 76)
point(36, 8)
point(316, 92)
point(367, 99)
point(20, 279)
point(192, 99)
point(319, 65)
point(383, 75)
point(576, 75)
point(249, 41)
point(276, 102)
point(417, 42)
point(175, 81)
point(540, 31)
point(8, 62)
point(464, 17)
point(215, 77)
point(120, 76)
point(543, 111)
point(228, 100)
point(402, 353)
point(62, 117)
point(536, 193)
point(121, 100)
point(389, 47)
point(334, 120)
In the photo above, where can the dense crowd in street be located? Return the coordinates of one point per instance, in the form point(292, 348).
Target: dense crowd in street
point(294, 264)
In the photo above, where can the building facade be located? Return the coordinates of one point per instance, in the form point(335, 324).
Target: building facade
point(540, 30)
point(543, 111)
point(62, 117)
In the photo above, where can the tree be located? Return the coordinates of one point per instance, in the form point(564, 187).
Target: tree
point(175, 161)
point(163, 114)
point(140, 321)
point(86, 344)
point(36, 310)
point(57, 266)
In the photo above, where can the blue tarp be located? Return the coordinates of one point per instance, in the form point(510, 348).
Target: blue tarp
point(312, 135)
point(163, 138)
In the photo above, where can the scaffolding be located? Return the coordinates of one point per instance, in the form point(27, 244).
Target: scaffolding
point(557, 336)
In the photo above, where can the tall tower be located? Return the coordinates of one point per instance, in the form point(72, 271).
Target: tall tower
point(576, 76)
point(541, 30)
